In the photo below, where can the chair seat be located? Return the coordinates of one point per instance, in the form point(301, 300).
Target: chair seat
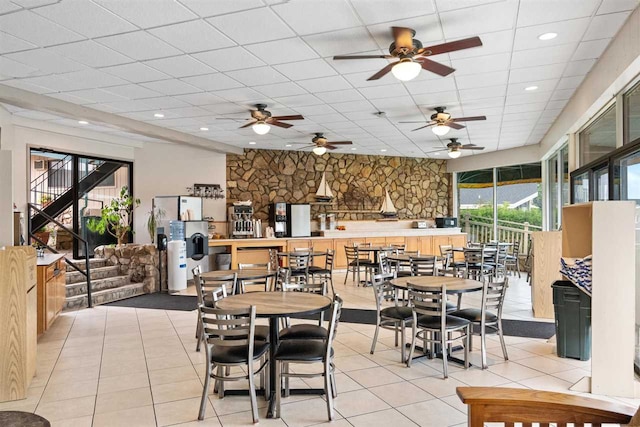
point(403, 273)
point(433, 322)
point(301, 350)
point(451, 307)
point(237, 353)
point(400, 313)
point(304, 331)
point(474, 315)
point(262, 332)
point(318, 270)
point(361, 261)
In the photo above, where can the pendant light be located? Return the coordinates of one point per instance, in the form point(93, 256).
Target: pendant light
point(407, 69)
point(454, 154)
point(440, 129)
point(261, 128)
point(319, 150)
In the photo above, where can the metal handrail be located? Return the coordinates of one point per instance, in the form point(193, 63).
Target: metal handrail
point(48, 217)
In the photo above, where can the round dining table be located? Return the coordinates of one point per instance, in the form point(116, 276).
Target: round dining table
point(274, 305)
point(246, 274)
point(454, 285)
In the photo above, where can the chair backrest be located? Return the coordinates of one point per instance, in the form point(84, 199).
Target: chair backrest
point(429, 302)
point(493, 296)
point(445, 250)
point(262, 282)
point(273, 259)
point(328, 263)
point(317, 287)
point(299, 260)
point(351, 253)
point(384, 265)
point(206, 288)
point(398, 249)
point(474, 245)
point(307, 249)
point(228, 327)
point(424, 266)
point(243, 266)
point(383, 291)
point(473, 256)
point(334, 320)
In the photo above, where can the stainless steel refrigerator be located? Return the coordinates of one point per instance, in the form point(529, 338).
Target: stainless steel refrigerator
point(298, 220)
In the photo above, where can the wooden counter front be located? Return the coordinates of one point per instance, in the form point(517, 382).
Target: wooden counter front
point(51, 289)
point(428, 244)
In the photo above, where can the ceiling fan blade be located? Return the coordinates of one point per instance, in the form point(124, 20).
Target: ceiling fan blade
point(435, 67)
point(454, 125)
point(341, 142)
point(279, 124)
point(382, 72)
point(416, 121)
point(231, 118)
point(470, 147)
point(362, 57)
point(293, 117)
point(403, 36)
point(422, 127)
point(451, 46)
point(248, 124)
point(469, 119)
point(329, 147)
point(435, 151)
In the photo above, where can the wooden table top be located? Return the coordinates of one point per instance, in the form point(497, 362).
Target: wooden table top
point(246, 274)
point(486, 250)
point(454, 284)
point(374, 248)
point(408, 257)
point(276, 304)
point(294, 253)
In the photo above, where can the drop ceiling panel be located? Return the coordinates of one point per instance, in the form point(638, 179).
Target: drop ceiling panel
point(212, 82)
point(234, 58)
point(390, 11)
point(163, 12)
point(257, 76)
point(533, 12)
point(568, 32)
point(307, 17)
point(44, 60)
point(543, 72)
point(252, 26)
point(139, 45)
point(340, 96)
point(207, 8)
point(281, 51)
point(590, 49)
point(578, 68)
point(33, 28)
point(280, 89)
point(171, 87)
point(617, 6)
point(325, 84)
point(193, 36)
point(469, 22)
point(136, 72)
point(132, 91)
point(11, 68)
point(86, 18)
point(180, 66)
point(9, 43)
point(542, 56)
point(90, 53)
point(306, 69)
point(342, 42)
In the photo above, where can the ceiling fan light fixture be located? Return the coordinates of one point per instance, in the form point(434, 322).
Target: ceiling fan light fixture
point(319, 150)
point(261, 128)
point(454, 154)
point(441, 129)
point(406, 70)
point(547, 36)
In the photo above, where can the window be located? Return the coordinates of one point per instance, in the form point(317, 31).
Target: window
point(599, 138)
point(581, 188)
point(601, 188)
point(628, 171)
point(558, 182)
point(60, 174)
point(632, 114)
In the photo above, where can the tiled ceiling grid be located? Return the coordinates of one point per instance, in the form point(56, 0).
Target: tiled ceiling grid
point(198, 60)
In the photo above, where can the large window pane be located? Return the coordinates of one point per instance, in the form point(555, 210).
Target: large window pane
point(564, 154)
point(554, 192)
point(599, 138)
point(475, 196)
point(601, 178)
point(581, 188)
point(632, 114)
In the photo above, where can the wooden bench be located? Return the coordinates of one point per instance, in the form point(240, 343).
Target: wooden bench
point(512, 405)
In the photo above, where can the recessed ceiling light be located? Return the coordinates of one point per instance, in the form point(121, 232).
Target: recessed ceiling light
point(158, 115)
point(531, 88)
point(252, 143)
point(436, 154)
point(353, 148)
point(83, 122)
point(548, 36)
point(204, 128)
point(288, 145)
point(383, 150)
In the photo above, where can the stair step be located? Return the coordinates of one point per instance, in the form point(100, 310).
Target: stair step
point(96, 274)
point(93, 263)
point(105, 296)
point(80, 288)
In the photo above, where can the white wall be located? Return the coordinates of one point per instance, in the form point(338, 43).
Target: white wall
point(6, 179)
point(512, 156)
point(167, 170)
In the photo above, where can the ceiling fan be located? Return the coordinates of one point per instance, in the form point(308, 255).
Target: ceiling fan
point(321, 144)
point(454, 148)
point(443, 122)
point(413, 56)
point(261, 119)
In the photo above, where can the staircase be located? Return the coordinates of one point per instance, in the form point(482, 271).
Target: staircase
point(107, 285)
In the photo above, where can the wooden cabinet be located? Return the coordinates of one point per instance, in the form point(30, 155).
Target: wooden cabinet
point(18, 309)
point(547, 250)
point(376, 241)
point(400, 241)
point(322, 246)
point(438, 241)
point(340, 260)
point(51, 290)
point(426, 245)
point(412, 243)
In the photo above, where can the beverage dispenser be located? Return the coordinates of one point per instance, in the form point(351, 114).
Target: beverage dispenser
point(241, 221)
point(278, 218)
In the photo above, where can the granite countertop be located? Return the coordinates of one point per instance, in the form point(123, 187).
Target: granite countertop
point(48, 259)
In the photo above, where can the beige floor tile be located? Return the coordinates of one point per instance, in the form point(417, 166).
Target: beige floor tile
point(233, 404)
point(180, 411)
point(170, 361)
point(64, 391)
point(479, 378)
point(140, 417)
point(344, 383)
point(386, 418)
point(74, 422)
point(455, 402)
point(209, 422)
point(385, 357)
point(545, 365)
point(123, 382)
point(372, 377)
point(399, 394)
point(352, 363)
point(307, 412)
point(118, 369)
point(66, 409)
point(172, 375)
point(513, 371)
point(548, 383)
point(27, 405)
point(246, 419)
point(66, 376)
point(176, 391)
point(438, 386)
point(358, 402)
point(125, 399)
point(433, 413)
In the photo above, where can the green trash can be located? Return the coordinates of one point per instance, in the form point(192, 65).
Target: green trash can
point(572, 309)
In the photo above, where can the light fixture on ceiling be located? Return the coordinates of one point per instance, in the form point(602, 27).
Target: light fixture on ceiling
point(204, 129)
point(319, 150)
point(384, 150)
point(83, 122)
point(454, 153)
point(252, 143)
point(547, 36)
point(353, 148)
point(158, 115)
point(440, 129)
point(531, 88)
point(261, 128)
point(407, 69)
point(288, 145)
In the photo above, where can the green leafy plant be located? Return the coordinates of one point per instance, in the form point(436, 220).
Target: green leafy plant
point(155, 216)
point(116, 217)
point(45, 199)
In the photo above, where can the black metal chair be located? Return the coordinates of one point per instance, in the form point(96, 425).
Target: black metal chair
point(324, 273)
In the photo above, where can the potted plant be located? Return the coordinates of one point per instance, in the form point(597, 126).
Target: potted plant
point(116, 217)
point(45, 200)
point(42, 234)
point(155, 216)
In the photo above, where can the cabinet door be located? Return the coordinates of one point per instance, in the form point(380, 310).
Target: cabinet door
point(62, 291)
point(322, 245)
point(340, 260)
point(292, 245)
point(412, 243)
point(51, 297)
point(440, 240)
point(376, 241)
point(426, 245)
point(394, 241)
point(32, 332)
point(458, 241)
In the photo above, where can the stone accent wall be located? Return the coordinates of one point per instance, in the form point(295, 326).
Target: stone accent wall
point(419, 188)
point(139, 262)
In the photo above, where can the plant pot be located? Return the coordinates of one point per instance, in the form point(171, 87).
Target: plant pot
point(43, 236)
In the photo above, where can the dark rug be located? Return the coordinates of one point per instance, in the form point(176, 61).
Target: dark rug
point(160, 301)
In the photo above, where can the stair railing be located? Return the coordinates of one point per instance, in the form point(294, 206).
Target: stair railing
point(87, 272)
point(43, 189)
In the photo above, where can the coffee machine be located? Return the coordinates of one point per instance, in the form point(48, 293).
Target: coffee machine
point(278, 218)
point(241, 221)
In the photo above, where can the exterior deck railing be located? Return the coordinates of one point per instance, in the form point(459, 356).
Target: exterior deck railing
point(478, 229)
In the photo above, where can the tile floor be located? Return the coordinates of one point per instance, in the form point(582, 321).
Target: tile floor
point(114, 366)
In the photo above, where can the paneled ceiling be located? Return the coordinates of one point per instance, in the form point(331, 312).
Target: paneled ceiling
point(195, 61)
